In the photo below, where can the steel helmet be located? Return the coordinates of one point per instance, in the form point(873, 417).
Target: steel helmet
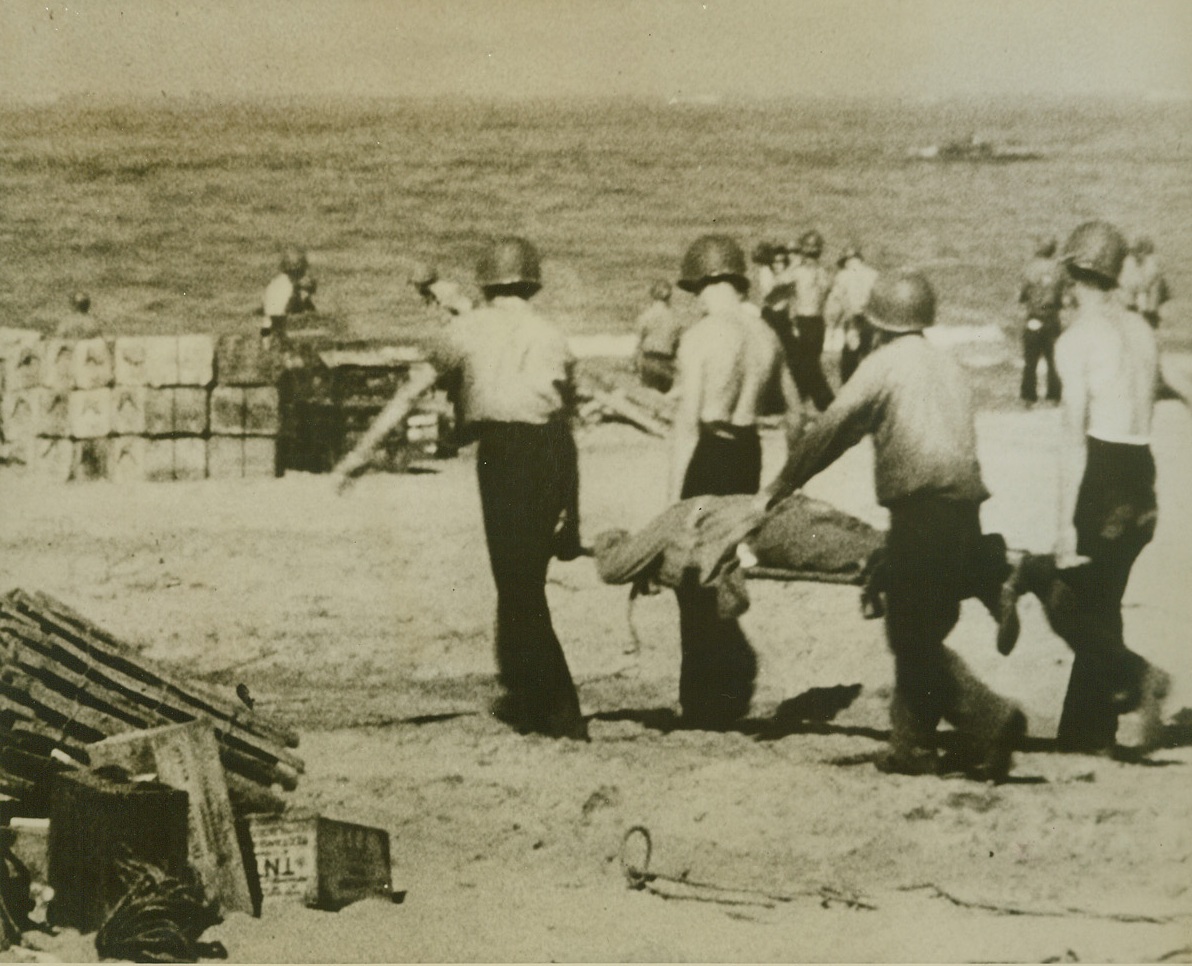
point(1096, 247)
point(660, 290)
point(713, 258)
point(293, 262)
point(811, 244)
point(509, 261)
point(901, 302)
point(1045, 246)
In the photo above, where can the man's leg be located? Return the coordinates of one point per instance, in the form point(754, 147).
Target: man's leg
point(1054, 386)
point(523, 491)
point(1031, 350)
point(808, 372)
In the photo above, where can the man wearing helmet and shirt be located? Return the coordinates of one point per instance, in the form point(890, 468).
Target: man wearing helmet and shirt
point(512, 373)
point(915, 401)
point(1108, 360)
point(727, 363)
point(810, 283)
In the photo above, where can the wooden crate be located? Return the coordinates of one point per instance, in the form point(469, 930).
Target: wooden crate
point(89, 459)
point(196, 360)
point(319, 862)
point(129, 361)
point(90, 413)
point(240, 360)
point(161, 360)
point(261, 411)
point(158, 460)
point(92, 821)
point(190, 458)
point(159, 411)
point(22, 366)
point(128, 410)
point(225, 457)
point(260, 456)
point(190, 410)
point(126, 459)
point(92, 364)
point(18, 414)
point(227, 410)
point(186, 756)
point(57, 364)
point(52, 412)
point(52, 459)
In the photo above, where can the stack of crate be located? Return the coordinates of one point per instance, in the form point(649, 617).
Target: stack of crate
point(138, 408)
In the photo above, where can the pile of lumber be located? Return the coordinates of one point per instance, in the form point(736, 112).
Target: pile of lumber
point(66, 683)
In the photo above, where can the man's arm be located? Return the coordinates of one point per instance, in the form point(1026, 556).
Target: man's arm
point(689, 380)
point(1073, 446)
point(796, 414)
point(836, 430)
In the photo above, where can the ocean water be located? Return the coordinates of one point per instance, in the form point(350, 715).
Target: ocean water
point(171, 214)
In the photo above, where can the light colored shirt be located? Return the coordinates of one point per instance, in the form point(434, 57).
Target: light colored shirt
point(514, 366)
point(914, 399)
point(659, 330)
point(812, 282)
point(1108, 360)
point(850, 292)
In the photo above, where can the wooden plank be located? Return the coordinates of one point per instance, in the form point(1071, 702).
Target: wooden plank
point(93, 650)
point(186, 756)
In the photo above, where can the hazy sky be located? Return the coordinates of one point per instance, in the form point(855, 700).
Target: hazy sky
point(653, 48)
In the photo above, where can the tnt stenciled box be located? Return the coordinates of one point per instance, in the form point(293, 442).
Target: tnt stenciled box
point(318, 862)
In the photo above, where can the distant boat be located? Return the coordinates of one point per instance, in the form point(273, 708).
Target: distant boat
point(974, 149)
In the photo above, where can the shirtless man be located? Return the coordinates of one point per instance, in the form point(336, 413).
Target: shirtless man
point(727, 361)
point(1108, 360)
point(811, 284)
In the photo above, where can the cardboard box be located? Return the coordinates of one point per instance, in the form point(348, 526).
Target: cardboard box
point(57, 364)
point(159, 412)
point(90, 413)
point(196, 360)
point(240, 360)
point(190, 458)
point(128, 410)
point(22, 366)
point(18, 414)
point(190, 410)
point(158, 459)
point(227, 410)
point(126, 459)
point(51, 412)
point(91, 364)
point(89, 459)
point(52, 459)
point(261, 411)
point(319, 862)
point(129, 362)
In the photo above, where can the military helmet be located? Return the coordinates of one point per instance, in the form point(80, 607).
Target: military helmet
point(293, 262)
point(509, 261)
point(850, 250)
point(1097, 248)
point(901, 302)
point(811, 244)
point(660, 290)
point(1045, 246)
point(713, 258)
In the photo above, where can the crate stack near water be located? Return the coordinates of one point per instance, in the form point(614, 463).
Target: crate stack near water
point(140, 408)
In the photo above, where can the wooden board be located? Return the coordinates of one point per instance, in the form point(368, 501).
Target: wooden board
point(186, 756)
point(319, 862)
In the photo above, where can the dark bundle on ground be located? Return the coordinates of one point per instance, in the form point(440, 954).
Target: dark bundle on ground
point(159, 919)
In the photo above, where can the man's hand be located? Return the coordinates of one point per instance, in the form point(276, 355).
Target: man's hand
point(1066, 556)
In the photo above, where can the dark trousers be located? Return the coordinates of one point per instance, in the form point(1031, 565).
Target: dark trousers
point(858, 342)
point(1115, 518)
point(803, 356)
point(527, 477)
point(656, 371)
point(1039, 344)
point(936, 557)
point(719, 667)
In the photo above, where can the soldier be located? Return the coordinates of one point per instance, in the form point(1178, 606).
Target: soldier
point(284, 297)
point(658, 333)
point(1109, 362)
point(439, 292)
point(727, 362)
point(845, 308)
point(1142, 283)
point(516, 393)
point(1041, 295)
point(914, 399)
point(811, 282)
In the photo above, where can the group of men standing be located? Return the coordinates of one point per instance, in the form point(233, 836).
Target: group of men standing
point(511, 373)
